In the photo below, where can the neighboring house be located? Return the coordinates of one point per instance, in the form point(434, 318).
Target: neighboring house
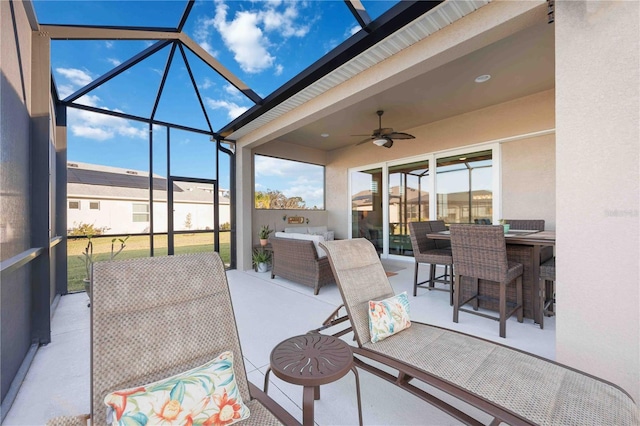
point(118, 200)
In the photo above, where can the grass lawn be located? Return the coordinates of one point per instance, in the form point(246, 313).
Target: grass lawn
point(136, 246)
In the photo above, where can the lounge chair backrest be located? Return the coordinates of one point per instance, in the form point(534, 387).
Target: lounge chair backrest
point(479, 251)
point(156, 317)
point(439, 226)
point(356, 262)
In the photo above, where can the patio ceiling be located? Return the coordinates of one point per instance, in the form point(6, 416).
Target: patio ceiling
point(521, 64)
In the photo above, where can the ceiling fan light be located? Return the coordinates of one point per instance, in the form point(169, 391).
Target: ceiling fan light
point(380, 141)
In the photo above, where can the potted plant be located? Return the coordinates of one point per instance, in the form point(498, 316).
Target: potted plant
point(89, 259)
point(261, 259)
point(264, 233)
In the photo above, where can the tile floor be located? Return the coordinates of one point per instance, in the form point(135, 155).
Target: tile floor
point(267, 312)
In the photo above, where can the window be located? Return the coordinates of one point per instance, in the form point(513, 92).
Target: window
point(465, 188)
point(94, 205)
point(140, 212)
point(288, 184)
point(74, 205)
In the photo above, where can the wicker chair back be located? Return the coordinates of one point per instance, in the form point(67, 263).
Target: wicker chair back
point(533, 225)
point(479, 251)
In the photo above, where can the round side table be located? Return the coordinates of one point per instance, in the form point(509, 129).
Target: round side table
point(311, 360)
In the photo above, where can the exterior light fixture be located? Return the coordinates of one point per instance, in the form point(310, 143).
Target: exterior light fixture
point(324, 135)
point(482, 78)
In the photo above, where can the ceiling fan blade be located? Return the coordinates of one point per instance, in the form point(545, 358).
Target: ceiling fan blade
point(398, 135)
point(364, 141)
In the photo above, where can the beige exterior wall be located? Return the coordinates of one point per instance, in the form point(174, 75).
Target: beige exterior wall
point(529, 179)
point(598, 156)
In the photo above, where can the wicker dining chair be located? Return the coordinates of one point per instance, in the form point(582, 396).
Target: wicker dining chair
point(432, 252)
point(547, 289)
point(530, 224)
point(480, 252)
point(155, 317)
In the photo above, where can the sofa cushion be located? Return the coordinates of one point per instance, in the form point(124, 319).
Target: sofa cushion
point(317, 239)
point(297, 229)
point(318, 230)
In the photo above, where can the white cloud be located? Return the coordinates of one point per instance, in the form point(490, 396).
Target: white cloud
point(283, 22)
point(244, 38)
point(89, 124)
point(233, 110)
point(114, 62)
point(278, 70)
point(75, 76)
point(109, 44)
point(233, 91)
point(245, 34)
point(101, 127)
point(353, 30)
point(206, 84)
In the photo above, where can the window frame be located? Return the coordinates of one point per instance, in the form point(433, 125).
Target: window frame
point(74, 201)
point(324, 184)
point(134, 213)
point(494, 147)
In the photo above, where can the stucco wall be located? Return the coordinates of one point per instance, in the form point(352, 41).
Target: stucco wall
point(529, 180)
point(598, 157)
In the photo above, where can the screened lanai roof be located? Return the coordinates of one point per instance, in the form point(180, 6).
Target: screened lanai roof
point(222, 67)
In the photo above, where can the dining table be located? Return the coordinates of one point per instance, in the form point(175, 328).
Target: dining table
point(529, 247)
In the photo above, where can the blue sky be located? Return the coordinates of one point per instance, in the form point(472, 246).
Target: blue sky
point(264, 43)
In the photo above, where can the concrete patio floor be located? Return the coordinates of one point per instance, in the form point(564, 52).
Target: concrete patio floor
point(267, 312)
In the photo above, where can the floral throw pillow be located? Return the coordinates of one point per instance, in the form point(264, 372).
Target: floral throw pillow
point(205, 395)
point(388, 316)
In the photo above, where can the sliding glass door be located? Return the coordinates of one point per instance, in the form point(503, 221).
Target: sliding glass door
point(461, 186)
point(408, 202)
point(366, 206)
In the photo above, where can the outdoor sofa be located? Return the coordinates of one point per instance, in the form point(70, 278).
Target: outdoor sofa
point(299, 260)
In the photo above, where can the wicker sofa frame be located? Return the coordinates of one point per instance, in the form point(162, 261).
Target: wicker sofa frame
point(155, 317)
point(510, 385)
point(297, 260)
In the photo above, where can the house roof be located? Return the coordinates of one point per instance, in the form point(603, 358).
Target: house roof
point(104, 182)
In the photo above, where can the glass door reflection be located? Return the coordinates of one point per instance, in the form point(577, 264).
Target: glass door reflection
point(366, 206)
point(408, 202)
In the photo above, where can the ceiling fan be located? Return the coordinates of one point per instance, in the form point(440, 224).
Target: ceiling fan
point(384, 136)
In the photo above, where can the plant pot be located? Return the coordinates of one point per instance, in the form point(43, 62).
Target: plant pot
point(263, 242)
point(506, 227)
point(263, 267)
point(87, 288)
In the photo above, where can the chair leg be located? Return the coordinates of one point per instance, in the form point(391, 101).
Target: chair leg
point(542, 298)
point(456, 299)
point(415, 281)
point(475, 292)
point(519, 299)
point(432, 276)
point(503, 310)
point(450, 283)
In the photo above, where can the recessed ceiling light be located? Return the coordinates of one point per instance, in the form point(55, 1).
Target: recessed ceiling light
point(324, 135)
point(482, 78)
